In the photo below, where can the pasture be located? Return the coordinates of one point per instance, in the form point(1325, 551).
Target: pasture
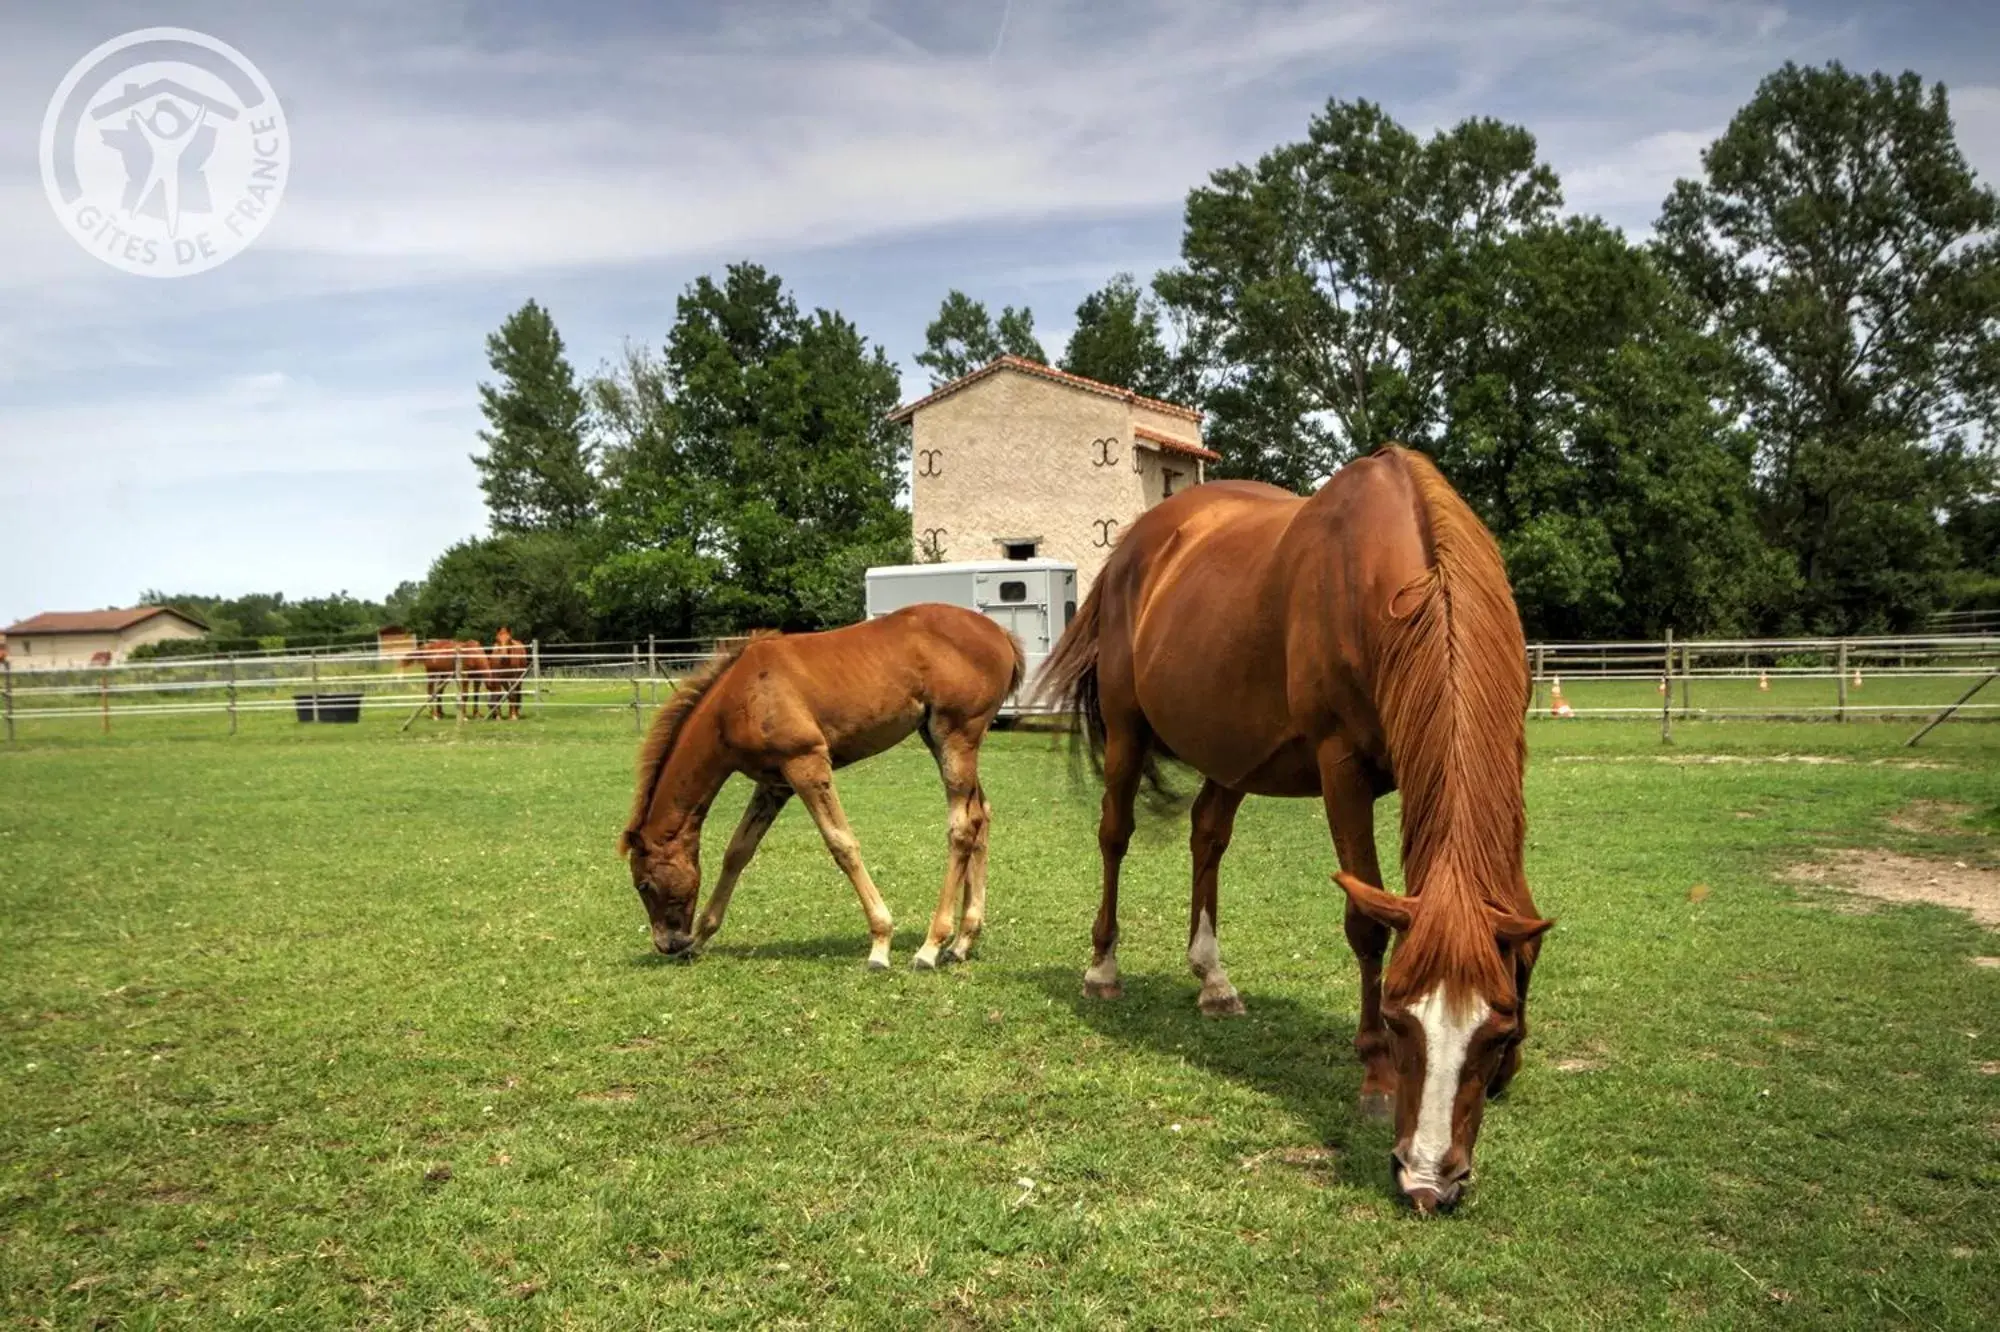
point(332, 1026)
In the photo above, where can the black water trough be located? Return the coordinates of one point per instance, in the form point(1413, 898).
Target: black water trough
point(332, 707)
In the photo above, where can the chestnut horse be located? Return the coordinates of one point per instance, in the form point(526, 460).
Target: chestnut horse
point(1359, 641)
point(448, 659)
point(506, 667)
point(785, 711)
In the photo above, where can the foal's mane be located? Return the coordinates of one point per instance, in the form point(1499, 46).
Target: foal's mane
point(1453, 687)
point(667, 728)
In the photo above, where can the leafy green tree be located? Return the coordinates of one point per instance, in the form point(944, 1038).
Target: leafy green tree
point(753, 471)
point(1580, 421)
point(1118, 341)
point(1840, 245)
point(964, 337)
point(536, 469)
point(529, 581)
point(1312, 283)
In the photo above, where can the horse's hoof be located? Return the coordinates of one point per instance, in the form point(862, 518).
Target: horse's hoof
point(923, 962)
point(1103, 990)
point(1377, 1106)
point(878, 964)
point(1222, 1005)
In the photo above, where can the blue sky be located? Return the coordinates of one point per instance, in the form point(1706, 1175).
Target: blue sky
point(301, 418)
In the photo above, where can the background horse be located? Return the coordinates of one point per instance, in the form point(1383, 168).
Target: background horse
point(506, 667)
point(448, 659)
point(785, 711)
point(1338, 646)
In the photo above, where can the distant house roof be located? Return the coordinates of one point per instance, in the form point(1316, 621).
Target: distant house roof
point(1170, 444)
point(1040, 371)
point(96, 622)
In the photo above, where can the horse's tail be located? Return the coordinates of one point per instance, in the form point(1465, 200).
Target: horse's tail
point(1069, 679)
point(1020, 671)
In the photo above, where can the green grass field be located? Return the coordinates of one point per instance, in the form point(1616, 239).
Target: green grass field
point(335, 1026)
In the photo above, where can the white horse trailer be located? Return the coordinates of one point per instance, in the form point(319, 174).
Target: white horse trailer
point(1033, 599)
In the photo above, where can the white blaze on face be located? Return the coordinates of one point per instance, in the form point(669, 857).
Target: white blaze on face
point(1447, 1037)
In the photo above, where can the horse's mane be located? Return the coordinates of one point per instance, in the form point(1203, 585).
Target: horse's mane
point(1452, 684)
point(667, 727)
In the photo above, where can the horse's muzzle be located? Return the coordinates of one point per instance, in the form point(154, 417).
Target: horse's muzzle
point(672, 942)
point(1427, 1199)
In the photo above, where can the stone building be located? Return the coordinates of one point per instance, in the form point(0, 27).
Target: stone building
point(70, 639)
point(1018, 460)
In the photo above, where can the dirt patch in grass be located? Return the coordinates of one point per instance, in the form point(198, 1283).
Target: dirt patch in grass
point(1930, 816)
point(1888, 876)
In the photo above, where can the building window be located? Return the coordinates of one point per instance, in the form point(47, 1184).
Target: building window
point(1017, 550)
point(1169, 480)
point(1013, 590)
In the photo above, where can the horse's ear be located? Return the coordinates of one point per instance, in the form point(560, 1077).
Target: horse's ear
point(629, 841)
point(1517, 930)
point(1380, 907)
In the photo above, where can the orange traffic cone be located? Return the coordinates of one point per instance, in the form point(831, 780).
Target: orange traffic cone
point(1857, 677)
point(1764, 681)
point(1558, 705)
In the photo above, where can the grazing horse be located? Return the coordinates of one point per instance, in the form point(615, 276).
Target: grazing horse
point(785, 711)
point(448, 659)
point(506, 667)
point(1358, 641)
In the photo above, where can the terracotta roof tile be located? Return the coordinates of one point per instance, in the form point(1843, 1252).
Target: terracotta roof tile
point(1171, 444)
point(1040, 371)
point(95, 622)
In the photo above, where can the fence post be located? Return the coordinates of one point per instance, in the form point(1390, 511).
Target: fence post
point(232, 693)
point(635, 689)
point(1541, 673)
point(315, 686)
point(458, 680)
point(7, 695)
point(104, 696)
point(1687, 681)
point(1840, 680)
point(535, 672)
point(1667, 694)
point(653, 668)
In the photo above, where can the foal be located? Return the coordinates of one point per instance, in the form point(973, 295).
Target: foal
point(785, 711)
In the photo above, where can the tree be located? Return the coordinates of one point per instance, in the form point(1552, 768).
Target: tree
point(1117, 339)
point(1312, 283)
point(530, 582)
point(1579, 421)
point(754, 472)
point(1839, 243)
point(536, 468)
point(964, 337)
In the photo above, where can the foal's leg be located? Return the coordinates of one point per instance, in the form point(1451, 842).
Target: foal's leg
point(1350, 810)
point(765, 802)
point(1214, 820)
point(811, 775)
point(957, 754)
point(974, 919)
point(1124, 761)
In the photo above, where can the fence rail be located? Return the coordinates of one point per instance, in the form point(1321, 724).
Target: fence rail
point(1918, 677)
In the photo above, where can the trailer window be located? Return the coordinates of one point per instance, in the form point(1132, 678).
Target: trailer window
point(1069, 613)
point(1013, 590)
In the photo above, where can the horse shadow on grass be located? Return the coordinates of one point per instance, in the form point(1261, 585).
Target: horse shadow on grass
point(1301, 1055)
point(850, 947)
